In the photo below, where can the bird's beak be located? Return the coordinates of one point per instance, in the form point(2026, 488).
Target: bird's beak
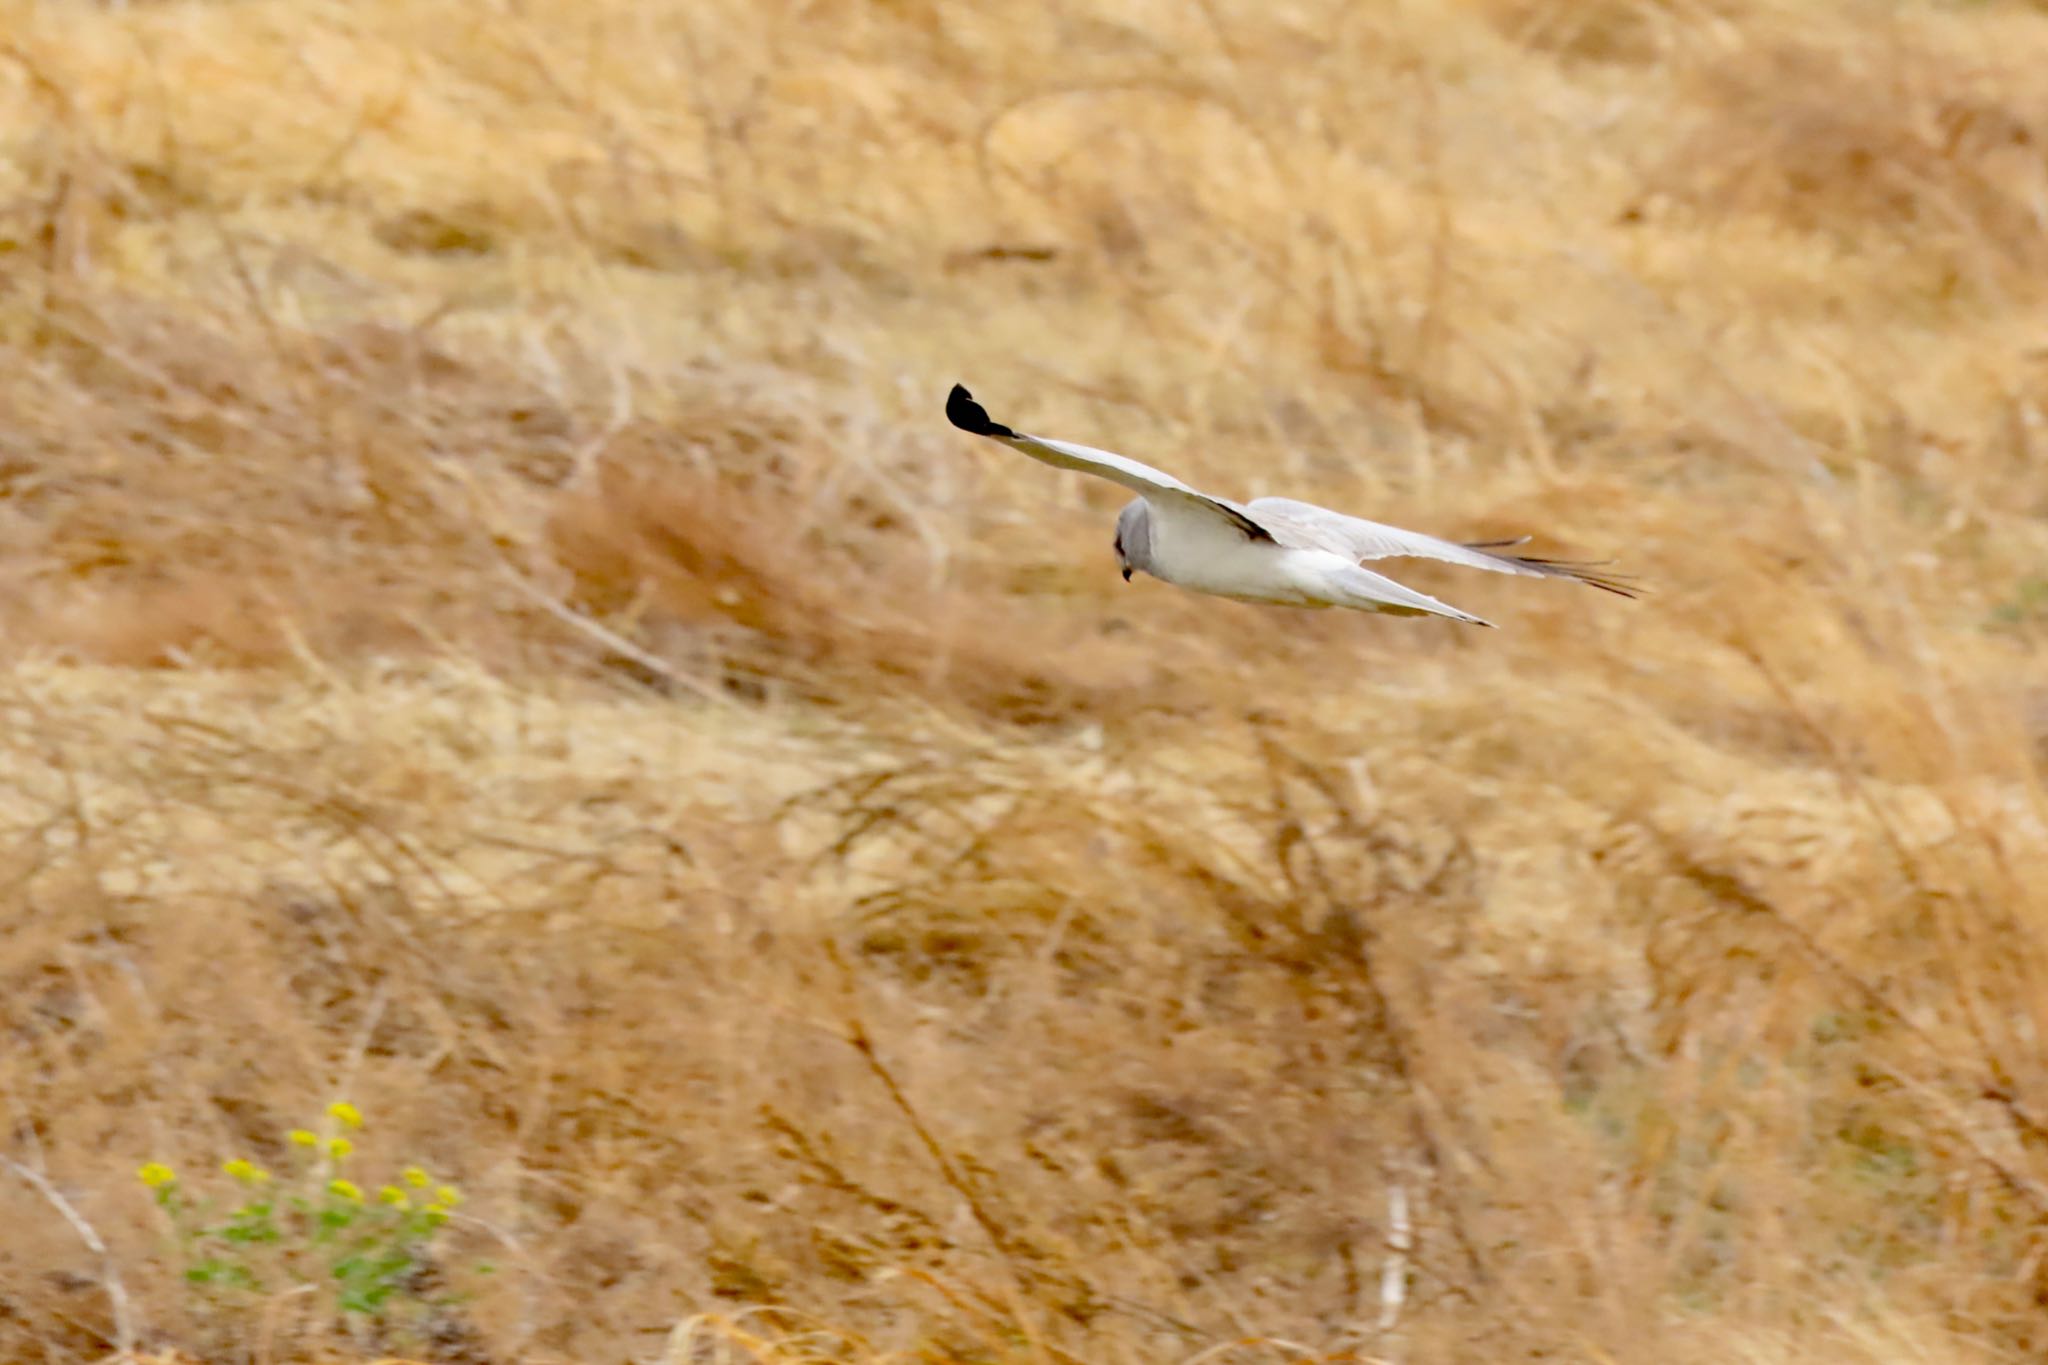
point(1127, 573)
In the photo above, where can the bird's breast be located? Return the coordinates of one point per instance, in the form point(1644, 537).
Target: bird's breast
point(1209, 555)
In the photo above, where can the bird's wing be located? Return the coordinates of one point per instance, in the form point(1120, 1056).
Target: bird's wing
point(1362, 589)
point(1303, 525)
point(1143, 479)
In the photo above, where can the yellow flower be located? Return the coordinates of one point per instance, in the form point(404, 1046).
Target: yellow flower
point(345, 1189)
point(248, 1172)
point(338, 1148)
point(448, 1195)
point(394, 1196)
point(156, 1175)
point(301, 1138)
point(436, 1214)
point(416, 1177)
point(347, 1113)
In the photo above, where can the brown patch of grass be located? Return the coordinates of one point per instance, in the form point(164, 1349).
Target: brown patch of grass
point(1899, 134)
point(1627, 31)
point(786, 588)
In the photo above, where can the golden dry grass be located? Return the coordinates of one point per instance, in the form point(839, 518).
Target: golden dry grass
point(892, 937)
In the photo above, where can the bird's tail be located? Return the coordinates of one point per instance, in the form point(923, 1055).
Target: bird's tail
point(1364, 590)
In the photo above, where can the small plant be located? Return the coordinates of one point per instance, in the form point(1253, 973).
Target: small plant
point(365, 1256)
point(2027, 605)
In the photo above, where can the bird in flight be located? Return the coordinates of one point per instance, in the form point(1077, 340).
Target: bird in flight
point(1270, 550)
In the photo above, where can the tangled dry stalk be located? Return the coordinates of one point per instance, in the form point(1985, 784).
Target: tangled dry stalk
point(495, 626)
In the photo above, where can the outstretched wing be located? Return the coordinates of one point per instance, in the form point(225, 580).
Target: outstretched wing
point(1305, 526)
point(1143, 479)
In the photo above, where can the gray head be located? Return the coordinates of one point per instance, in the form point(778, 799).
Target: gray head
point(1134, 538)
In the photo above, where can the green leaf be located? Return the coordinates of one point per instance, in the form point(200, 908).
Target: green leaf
point(213, 1270)
point(251, 1223)
point(366, 1299)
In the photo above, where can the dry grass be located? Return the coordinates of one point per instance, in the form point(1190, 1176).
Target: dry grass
point(494, 625)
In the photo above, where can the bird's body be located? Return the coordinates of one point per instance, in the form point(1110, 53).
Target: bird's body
point(1274, 551)
point(1202, 553)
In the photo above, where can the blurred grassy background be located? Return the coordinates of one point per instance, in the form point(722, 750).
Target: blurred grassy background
point(495, 625)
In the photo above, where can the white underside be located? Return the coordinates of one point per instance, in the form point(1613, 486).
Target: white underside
point(1207, 554)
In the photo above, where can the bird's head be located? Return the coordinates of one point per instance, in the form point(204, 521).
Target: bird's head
point(1133, 538)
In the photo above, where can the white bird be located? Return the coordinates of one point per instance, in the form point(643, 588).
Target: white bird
point(1270, 550)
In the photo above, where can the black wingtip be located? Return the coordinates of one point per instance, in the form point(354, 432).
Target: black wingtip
point(963, 412)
